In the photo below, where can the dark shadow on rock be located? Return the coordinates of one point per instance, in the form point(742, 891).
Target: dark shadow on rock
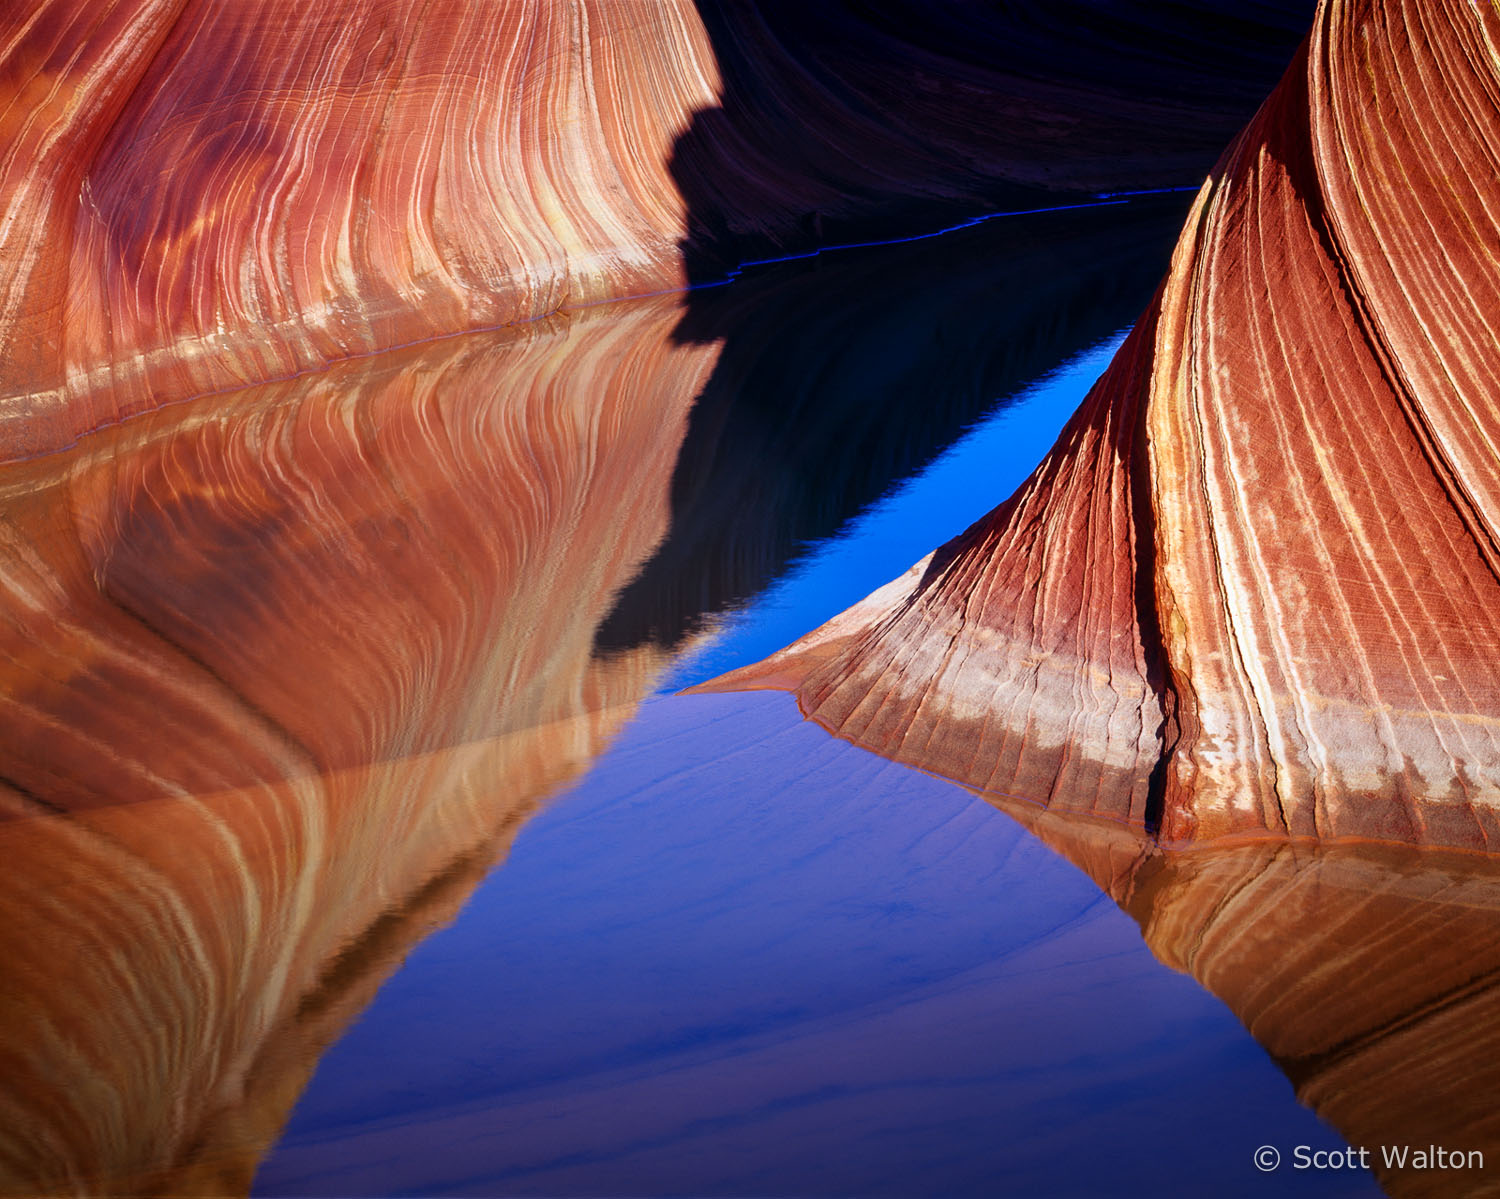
point(843, 121)
point(843, 374)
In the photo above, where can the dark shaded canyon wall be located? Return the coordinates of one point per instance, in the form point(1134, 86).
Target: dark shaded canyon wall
point(843, 121)
point(196, 197)
point(281, 672)
point(840, 376)
point(1254, 589)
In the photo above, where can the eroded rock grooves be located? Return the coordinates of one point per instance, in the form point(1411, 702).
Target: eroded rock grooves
point(1307, 419)
point(198, 196)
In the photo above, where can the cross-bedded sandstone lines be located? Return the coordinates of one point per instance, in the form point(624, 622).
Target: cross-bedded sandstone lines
point(281, 673)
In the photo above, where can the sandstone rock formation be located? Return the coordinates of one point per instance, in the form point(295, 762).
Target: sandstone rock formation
point(1255, 587)
point(280, 674)
point(198, 196)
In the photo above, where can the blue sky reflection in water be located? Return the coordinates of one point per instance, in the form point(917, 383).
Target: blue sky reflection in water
point(974, 474)
point(742, 957)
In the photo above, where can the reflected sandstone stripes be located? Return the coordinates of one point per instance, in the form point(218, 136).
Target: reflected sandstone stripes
point(283, 671)
point(198, 196)
point(1370, 973)
point(1255, 587)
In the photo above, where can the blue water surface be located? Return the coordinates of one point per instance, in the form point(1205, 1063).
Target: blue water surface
point(741, 957)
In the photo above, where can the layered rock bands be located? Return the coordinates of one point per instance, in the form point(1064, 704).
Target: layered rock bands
point(1255, 587)
point(198, 196)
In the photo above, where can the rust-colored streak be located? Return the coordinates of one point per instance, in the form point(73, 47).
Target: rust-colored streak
point(1255, 587)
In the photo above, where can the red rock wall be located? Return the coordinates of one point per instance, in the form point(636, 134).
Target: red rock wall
point(201, 195)
point(1257, 577)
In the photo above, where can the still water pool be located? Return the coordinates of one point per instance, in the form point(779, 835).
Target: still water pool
point(740, 957)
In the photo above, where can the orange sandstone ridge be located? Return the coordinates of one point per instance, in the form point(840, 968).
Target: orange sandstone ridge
point(196, 196)
point(1255, 587)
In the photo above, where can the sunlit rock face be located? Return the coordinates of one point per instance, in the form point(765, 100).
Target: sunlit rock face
point(1368, 972)
point(1255, 587)
point(280, 674)
point(197, 196)
point(202, 195)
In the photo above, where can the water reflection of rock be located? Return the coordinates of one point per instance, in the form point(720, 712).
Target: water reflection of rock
point(1371, 973)
point(281, 674)
point(842, 375)
point(284, 669)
